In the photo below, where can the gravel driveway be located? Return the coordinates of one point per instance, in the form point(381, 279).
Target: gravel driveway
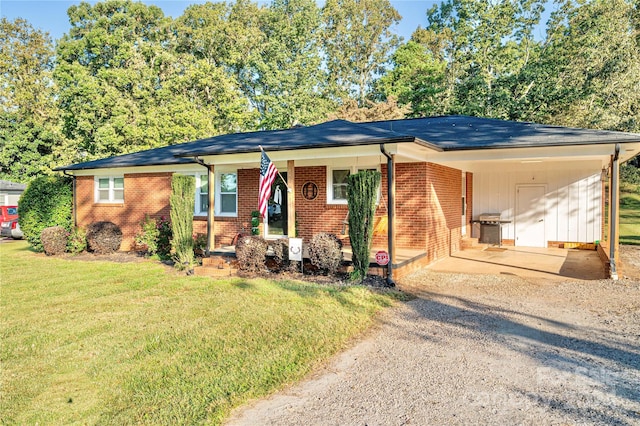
point(481, 349)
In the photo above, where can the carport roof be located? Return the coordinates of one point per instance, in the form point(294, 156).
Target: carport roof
point(446, 133)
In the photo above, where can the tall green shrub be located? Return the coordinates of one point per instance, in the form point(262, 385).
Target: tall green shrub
point(182, 202)
point(46, 202)
point(362, 192)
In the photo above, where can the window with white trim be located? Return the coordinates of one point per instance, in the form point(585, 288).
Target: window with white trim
point(109, 189)
point(337, 183)
point(227, 194)
point(202, 194)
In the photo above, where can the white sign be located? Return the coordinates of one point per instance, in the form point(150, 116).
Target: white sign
point(295, 249)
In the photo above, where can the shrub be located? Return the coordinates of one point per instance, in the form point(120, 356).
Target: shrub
point(165, 235)
point(200, 243)
point(46, 202)
point(54, 240)
point(104, 237)
point(77, 242)
point(325, 252)
point(182, 202)
point(362, 191)
point(280, 248)
point(147, 238)
point(251, 252)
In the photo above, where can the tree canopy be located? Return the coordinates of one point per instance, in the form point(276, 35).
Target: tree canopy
point(126, 77)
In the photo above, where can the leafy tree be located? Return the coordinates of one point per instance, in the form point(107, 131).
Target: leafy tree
point(483, 44)
point(588, 73)
point(373, 111)
point(28, 114)
point(358, 42)
point(289, 84)
point(125, 84)
point(362, 192)
point(416, 79)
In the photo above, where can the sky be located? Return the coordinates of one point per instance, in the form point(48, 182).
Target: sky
point(51, 15)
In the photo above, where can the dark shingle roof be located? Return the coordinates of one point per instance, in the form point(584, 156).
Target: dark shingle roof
point(458, 132)
point(330, 134)
point(447, 133)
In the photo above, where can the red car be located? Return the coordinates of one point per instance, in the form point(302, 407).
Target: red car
point(8, 213)
point(9, 226)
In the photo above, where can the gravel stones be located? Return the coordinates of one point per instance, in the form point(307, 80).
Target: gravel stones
point(481, 349)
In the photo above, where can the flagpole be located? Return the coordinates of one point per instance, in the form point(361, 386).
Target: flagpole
point(281, 178)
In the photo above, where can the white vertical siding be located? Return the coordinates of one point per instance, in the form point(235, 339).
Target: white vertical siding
point(573, 199)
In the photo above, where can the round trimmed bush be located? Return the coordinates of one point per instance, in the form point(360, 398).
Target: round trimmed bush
point(46, 202)
point(54, 240)
point(325, 252)
point(251, 252)
point(104, 237)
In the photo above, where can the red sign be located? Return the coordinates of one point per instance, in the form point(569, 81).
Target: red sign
point(382, 258)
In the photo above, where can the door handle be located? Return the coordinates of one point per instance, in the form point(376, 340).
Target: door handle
point(541, 220)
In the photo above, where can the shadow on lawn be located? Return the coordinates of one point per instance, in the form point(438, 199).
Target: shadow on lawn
point(596, 374)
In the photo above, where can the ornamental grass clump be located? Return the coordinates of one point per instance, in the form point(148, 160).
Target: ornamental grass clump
point(325, 252)
point(182, 201)
point(251, 252)
point(54, 240)
point(104, 237)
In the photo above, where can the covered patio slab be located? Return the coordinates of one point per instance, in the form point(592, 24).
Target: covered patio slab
point(525, 262)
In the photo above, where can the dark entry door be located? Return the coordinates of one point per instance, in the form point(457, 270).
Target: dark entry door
point(277, 217)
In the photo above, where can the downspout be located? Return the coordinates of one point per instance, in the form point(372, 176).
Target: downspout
point(209, 212)
point(75, 202)
point(613, 223)
point(390, 212)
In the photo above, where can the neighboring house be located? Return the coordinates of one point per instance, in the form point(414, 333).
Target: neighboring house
point(545, 182)
point(10, 192)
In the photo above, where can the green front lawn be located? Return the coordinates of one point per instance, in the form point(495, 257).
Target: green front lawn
point(629, 218)
point(100, 342)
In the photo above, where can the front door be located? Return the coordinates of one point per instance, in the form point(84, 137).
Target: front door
point(276, 225)
point(530, 215)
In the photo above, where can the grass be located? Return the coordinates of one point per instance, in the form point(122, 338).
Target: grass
point(629, 217)
point(91, 342)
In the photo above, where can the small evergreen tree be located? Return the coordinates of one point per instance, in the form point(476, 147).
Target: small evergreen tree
point(362, 192)
point(182, 203)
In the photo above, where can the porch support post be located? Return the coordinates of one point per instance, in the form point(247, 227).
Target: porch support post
point(211, 209)
point(291, 199)
point(211, 235)
point(391, 211)
point(614, 216)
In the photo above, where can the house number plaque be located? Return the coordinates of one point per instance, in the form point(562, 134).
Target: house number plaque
point(310, 190)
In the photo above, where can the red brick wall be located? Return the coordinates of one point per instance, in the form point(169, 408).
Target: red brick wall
point(427, 206)
point(444, 215)
point(144, 193)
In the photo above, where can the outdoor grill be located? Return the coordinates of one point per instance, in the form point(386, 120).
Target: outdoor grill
point(490, 228)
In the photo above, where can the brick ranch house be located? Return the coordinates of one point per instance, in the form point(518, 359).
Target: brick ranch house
point(547, 183)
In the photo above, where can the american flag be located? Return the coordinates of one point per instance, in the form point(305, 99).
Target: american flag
point(267, 175)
